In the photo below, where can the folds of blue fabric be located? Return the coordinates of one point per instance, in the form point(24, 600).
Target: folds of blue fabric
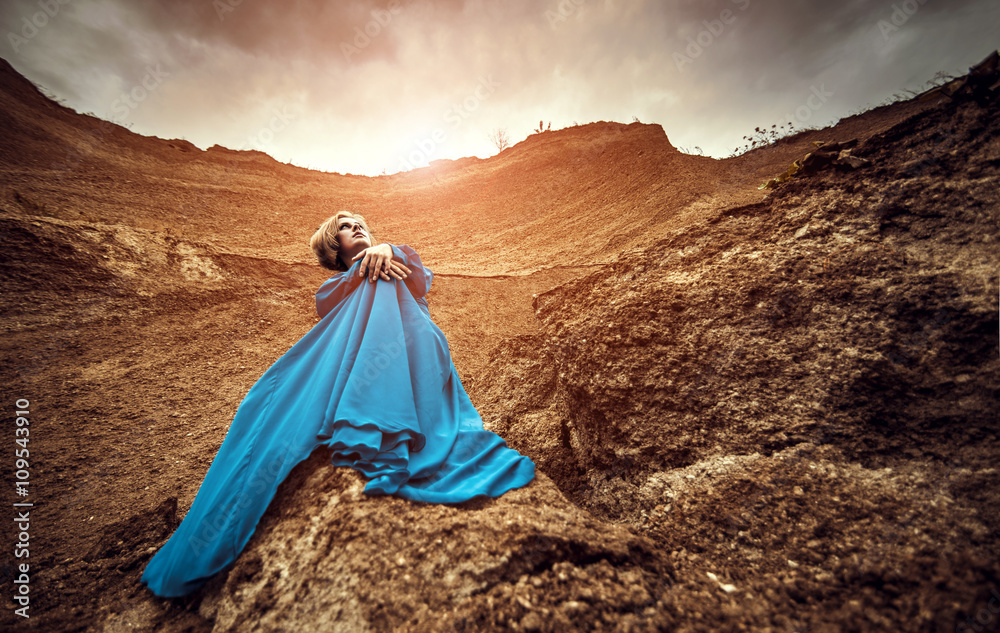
point(275, 428)
point(374, 381)
point(478, 464)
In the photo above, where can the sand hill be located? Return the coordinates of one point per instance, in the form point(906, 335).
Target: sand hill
point(750, 410)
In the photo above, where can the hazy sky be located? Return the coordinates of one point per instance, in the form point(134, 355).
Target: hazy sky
point(362, 87)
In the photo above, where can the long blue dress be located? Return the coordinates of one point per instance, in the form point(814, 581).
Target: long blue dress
point(374, 381)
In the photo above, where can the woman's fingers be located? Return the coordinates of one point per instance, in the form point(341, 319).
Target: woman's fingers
point(378, 264)
point(370, 265)
point(394, 270)
point(364, 262)
point(398, 271)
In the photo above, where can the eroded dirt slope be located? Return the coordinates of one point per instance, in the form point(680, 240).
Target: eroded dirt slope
point(800, 393)
point(748, 410)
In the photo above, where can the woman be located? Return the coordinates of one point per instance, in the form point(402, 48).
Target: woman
point(374, 381)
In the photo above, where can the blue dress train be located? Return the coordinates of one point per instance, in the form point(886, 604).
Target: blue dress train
point(375, 382)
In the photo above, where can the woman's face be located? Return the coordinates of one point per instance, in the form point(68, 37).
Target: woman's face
point(353, 239)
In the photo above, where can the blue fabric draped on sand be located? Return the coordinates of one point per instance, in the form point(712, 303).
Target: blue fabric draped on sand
point(374, 381)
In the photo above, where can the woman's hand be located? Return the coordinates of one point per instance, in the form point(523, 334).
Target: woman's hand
point(378, 263)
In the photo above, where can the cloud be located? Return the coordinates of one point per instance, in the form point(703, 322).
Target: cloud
point(369, 86)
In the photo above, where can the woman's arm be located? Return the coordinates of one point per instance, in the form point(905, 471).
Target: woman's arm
point(399, 262)
point(377, 262)
point(334, 290)
point(405, 266)
point(419, 278)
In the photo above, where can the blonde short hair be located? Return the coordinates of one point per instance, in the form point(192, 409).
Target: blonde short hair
point(325, 244)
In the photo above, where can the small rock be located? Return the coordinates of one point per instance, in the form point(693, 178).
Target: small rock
point(531, 622)
point(724, 586)
point(572, 607)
